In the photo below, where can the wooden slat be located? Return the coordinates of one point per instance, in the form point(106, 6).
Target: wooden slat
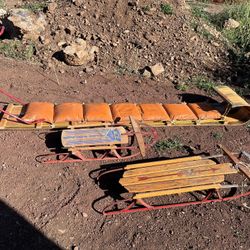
point(93, 148)
point(176, 191)
point(138, 136)
point(5, 117)
point(175, 184)
point(95, 136)
point(167, 167)
point(231, 96)
point(243, 167)
point(213, 170)
point(150, 164)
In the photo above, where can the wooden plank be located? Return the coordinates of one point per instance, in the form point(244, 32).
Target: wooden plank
point(176, 191)
point(243, 167)
point(206, 171)
point(138, 136)
point(231, 96)
point(5, 117)
point(93, 148)
point(95, 136)
point(167, 167)
point(174, 184)
point(155, 163)
point(245, 170)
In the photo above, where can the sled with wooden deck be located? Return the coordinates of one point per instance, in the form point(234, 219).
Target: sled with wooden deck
point(45, 115)
point(109, 143)
point(179, 176)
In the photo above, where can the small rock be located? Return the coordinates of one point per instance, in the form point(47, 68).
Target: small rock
point(247, 55)
point(83, 82)
point(231, 24)
point(89, 69)
point(61, 231)
point(78, 3)
point(2, 12)
point(61, 43)
point(157, 69)
point(150, 11)
point(215, 44)
point(79, 53)
point(84, 215)
point(52, 7)
point(146, 73)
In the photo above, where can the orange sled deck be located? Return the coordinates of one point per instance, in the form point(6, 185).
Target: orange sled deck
point(201, 176)
point(43, 115)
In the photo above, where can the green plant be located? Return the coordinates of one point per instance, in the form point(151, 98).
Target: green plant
point(167, 9)
point(197, 27)
point(17, 50)
point(123, 69)
point(217, 135)
point(36, 6)
point(240, 12)
point(2, 3)
point(206, 34)
point(168, 144)
point(199, 12)
point(182, 86)
point(239, 36)
point(146, 8)
point(203, 83)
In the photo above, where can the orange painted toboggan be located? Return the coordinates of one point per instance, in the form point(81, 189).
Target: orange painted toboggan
point(43, 115)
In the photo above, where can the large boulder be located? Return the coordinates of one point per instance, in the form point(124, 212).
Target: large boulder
point(30, 25)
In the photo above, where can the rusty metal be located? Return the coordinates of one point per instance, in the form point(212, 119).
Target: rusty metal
point(213, 195)
point(145, 207)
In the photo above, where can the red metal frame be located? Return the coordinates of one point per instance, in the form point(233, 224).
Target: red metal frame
point(12, 97)
point(109, 154)
point(2, 29)
point(133, 207)
point(20, 102)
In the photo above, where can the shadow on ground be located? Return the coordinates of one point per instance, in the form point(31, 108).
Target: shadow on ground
point(237, 72)
point(17, 233)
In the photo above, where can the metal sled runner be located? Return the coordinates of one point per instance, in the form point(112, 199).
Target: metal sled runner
point(43, 115)
point(108, 144)
point(176, 176)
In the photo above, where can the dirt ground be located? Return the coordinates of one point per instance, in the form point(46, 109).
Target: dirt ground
point(57, 199)
point(52, 206)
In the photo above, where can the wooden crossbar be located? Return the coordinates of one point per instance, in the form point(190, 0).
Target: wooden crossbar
point(5, 117)
point(176, 191)
point(155, 169)
point(174, 184)
point(150, 164)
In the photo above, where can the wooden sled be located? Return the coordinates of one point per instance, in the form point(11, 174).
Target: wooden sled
point(176, 176)
point(234, 111)
point(108, 143)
